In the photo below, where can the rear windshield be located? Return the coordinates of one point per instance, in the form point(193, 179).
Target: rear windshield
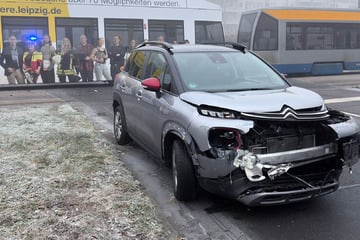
point(226, 71)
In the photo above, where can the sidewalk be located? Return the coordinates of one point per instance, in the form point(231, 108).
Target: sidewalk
point(15, 97)
point(34, 93)
point(6, 87)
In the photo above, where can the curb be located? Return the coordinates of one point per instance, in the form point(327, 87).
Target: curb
point(55, 85)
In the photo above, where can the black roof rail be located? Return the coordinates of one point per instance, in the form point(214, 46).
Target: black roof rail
point(238, 46)
point(235, 45)
point(164, 45)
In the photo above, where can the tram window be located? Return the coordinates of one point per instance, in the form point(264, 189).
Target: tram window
point(354, 37)
point(341, 40)
point(127, 29)
point(319, 37)
point(23, 28)
point(294, 37)
point(266, 33)
point(208, 31)
point(72, 28)
point(347, 36)
point(246, 28)
point(322, 36)
point(171, 29)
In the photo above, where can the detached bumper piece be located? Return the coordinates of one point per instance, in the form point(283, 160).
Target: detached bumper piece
point(279, 163)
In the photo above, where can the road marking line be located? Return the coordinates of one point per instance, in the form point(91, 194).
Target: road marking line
point(353, 89)
point(341, 100)
point(203, 229)
point(349, 186)
point(352, 114)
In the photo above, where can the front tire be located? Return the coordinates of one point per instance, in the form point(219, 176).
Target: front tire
point(184, 181)
point(121, 135)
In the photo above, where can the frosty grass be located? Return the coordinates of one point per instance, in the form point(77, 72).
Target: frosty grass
point(60, 180)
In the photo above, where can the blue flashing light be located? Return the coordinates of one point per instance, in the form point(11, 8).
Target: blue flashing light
point(32, 38)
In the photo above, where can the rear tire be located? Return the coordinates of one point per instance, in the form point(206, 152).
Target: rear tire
point(184, 181)
point(121, 135)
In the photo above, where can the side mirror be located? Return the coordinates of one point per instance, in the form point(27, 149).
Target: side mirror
point(151, 84)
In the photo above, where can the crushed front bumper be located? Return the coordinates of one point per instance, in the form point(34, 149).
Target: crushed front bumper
point(296, 185)
point(306, 167)
point(308, 179)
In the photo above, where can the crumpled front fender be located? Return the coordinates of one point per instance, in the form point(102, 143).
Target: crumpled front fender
point(201, 126)
point(346, 128)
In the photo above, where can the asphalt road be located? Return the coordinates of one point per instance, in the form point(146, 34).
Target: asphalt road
point(335, 216)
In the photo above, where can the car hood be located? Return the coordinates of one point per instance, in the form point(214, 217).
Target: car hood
point(256, 101)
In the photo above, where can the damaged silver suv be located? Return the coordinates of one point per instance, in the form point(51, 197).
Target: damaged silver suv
point(226, 121)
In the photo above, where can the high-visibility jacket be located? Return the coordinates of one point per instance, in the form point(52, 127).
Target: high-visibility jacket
point(36, 60)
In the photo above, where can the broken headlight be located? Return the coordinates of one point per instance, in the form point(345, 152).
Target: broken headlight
point(225, 138)
point(224, 142)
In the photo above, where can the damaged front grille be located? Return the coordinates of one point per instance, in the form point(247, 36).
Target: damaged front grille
point(272, 137)
point(281, 146)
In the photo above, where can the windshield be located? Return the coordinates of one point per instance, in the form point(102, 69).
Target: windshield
point(226, 71)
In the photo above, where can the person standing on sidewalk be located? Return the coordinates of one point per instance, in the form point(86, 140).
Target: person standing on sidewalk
point(116, 55)
point(12, 61)
point(47, 69)
point(32, 62)
point(99, 54)
point(65, 63)
point(84, 63)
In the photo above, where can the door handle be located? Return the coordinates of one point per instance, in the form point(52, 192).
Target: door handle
point(123, 87)
point(139, 95)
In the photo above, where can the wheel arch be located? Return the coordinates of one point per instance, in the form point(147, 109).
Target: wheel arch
point(171, 132)
point(116, 99)
point(116, 102)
